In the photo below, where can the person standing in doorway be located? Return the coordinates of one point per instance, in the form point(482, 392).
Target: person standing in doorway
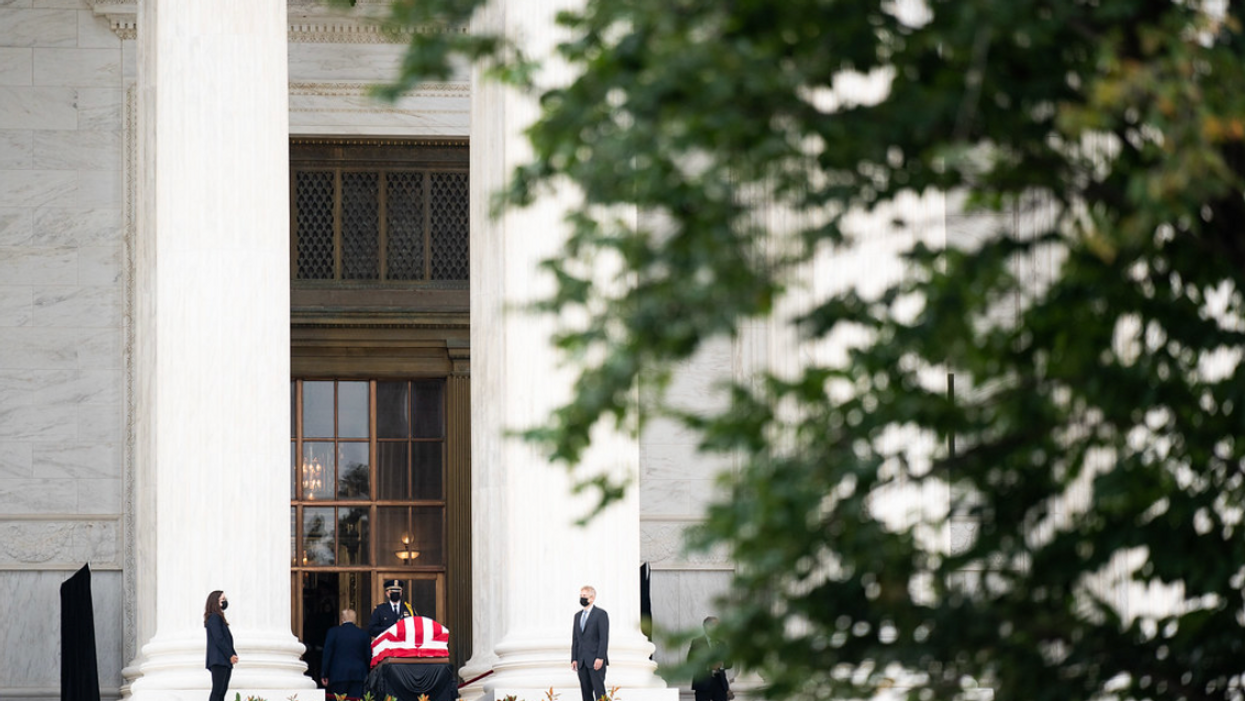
point(710, 683)
point(388, 612)
point(221, 657)
point(590, 641)
point(347, 657)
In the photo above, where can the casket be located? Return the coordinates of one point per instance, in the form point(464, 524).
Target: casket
point(412, 638)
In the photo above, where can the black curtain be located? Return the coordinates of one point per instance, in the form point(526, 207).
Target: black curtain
point(79, 669)
point(646, 602)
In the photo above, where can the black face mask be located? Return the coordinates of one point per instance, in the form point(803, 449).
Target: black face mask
point(224, 605)
point(395, 597)
point(583, 601)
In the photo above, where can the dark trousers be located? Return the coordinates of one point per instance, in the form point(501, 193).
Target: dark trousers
point(220, 681)
point(591, 681)
point(352, 689)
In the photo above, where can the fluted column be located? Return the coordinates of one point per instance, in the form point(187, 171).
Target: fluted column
point(212, 346)
point(530, 560)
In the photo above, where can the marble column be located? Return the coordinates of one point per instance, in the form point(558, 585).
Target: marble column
point(212, 347)
point(530, 560)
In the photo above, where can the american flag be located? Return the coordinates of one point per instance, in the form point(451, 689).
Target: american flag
point(412, 637)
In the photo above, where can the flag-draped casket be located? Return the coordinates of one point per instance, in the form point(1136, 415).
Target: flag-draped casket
point(416, 636)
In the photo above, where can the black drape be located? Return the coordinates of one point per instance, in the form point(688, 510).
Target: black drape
point(407, 682)
point(79, 669)
point(646, 601)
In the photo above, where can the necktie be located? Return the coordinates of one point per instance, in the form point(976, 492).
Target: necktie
point(583, 620)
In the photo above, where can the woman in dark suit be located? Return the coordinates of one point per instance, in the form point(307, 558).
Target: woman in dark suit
point(221, 656)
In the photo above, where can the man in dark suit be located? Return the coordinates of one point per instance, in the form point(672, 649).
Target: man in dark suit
point(388, 612)
point(347, 658)
point(590, 642)
point(710, 683)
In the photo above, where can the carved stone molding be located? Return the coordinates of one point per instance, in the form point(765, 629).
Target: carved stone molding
point(61, 544)
point(310, 21)
point(662, 546)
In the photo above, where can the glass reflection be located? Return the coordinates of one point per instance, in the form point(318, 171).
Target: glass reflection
point(352, 536)
point(427, 471)
point(409, 530)
point(393, 478)
point(319, 536)
point(318, 409)
point(423, 596)
point(293, 536)
point(318, 469)
point(429, 410)
point(352, 410)
point(353, 471)
point(393, 416)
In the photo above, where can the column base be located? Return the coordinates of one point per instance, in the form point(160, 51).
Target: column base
point(562, 693)
point(477, 671)
point(172, 667)
point(541, 662)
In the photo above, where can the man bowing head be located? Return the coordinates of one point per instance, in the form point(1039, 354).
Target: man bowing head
point(590, 641)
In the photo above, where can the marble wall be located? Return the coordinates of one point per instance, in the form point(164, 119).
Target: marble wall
point(61, 333)
point(676, 484)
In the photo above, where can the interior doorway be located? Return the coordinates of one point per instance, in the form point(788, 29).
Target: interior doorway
point(368, 500)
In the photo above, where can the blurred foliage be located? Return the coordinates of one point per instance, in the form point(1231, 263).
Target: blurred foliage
point(1091, 449)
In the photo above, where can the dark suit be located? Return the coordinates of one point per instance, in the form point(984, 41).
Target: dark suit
point(383, 616)
point(589, 645)
point(219, 655)
point(709, 684)
point(347, 658)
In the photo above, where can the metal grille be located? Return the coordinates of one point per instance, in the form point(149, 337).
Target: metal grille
point(405, 223)
point(380, 212)
point(314, 207)
point(450, 225)
point(360, 226)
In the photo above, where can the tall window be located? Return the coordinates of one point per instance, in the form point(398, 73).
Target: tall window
point(368, 497)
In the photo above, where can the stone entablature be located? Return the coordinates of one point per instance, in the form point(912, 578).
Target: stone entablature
point(310, 21)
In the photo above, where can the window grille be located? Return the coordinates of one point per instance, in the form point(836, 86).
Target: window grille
point(383, 212)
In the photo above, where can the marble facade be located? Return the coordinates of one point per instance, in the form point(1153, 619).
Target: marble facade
point(68, 487)
point(62, 331)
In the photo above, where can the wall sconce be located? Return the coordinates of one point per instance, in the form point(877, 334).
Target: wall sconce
point(406, 554)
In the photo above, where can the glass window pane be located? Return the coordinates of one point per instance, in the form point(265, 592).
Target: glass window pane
point(426, 468)
point(429, 415)
point(393, 416)
point(293, 536)
point(410, 530)
point(319, 536)
point(293, 409)
point(392, 477)
point(352, 536)
point(353, 471)
point(426, 522)
point(317, 473)
point(352, 410)
point(392, 529)
point(318, 409)
point(293, 470)
point(423, 597)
